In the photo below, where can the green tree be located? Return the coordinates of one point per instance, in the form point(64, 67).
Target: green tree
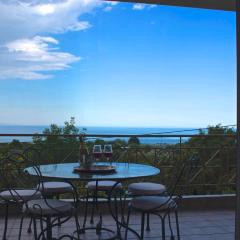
point(215, 151)
point(133, 141)
point(56, 148)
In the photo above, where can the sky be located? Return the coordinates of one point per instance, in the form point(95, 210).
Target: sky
point(116, 64)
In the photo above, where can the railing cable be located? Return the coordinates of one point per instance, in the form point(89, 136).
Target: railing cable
point(188, 130)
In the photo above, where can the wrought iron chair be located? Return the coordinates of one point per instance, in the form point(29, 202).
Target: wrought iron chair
point(17, 186)
point(161, 206)
point(35, 203)
point(146, 189)
point(52, 189)
point(93, 190)
point(49, 211)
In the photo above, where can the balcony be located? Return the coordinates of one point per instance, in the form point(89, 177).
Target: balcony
point(208, 206)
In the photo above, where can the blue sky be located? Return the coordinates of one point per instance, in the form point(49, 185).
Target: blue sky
point(123, 65)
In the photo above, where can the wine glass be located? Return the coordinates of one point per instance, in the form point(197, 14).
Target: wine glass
point(108, 152)
point(97, 152)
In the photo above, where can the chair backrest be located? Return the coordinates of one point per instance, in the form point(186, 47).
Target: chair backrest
point(39, 155)
point(14, 177)
point(181, 174)
point(34, 155)
point(179, 170)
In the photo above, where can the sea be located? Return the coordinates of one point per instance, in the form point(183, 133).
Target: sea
point(15, 129)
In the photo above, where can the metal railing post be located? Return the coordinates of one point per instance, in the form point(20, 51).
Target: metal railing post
point(180, 149)
point(237, 221)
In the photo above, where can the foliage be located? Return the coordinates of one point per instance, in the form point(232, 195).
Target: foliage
point(214, 156)
point(55, 148)
point(215, 140)
point(133, 141)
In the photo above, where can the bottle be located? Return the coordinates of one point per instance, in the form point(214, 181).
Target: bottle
point(83, 153)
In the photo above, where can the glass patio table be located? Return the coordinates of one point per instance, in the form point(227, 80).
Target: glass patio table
point(124, 171)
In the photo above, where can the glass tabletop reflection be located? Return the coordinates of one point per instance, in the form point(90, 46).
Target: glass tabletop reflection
point(123, 171)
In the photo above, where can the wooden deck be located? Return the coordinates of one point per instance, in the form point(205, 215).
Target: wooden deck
point(198, 225)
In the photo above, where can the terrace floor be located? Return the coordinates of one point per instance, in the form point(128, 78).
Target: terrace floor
point(197, 225)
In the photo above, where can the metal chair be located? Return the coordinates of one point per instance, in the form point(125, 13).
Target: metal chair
point(162, 206)
point(13, 174)
point(52, 189)
point(49, 211)
point(146, 189)
point(17, 186)
point(93, 190)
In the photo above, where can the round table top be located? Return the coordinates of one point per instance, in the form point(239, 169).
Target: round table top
point(123, 171)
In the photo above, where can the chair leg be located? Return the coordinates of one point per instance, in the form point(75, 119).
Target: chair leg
point(77, 226)
point(86, 211)
point(148, 222)
point(30, 226)
point(122, 208)
point(163, 228)
point(142, 225)
point(59, 219)
point(5, 223)
point(117, 215)
point(35, 229)
point(49, 228)
point(42, 229)
point(177, 224)
point(94, 203)
point(20, 228)
point(127, 223)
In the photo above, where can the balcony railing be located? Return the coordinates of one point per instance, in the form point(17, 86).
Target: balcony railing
point(212, 157)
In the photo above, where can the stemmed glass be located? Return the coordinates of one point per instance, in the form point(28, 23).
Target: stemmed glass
point(108, 152)
point(97, 152)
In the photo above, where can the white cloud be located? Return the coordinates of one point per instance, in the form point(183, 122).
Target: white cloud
point(45, 9)
point(19, 19)
point(138, 6)
point(110, 5)
point(30, 59)
point(113, 3)
point(23, 22)
point(152, 5)
point(79, 26)
point(108, 9)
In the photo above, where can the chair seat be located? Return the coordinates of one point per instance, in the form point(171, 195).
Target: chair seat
point(51, 188)
point(48, 207)
point(147, 203)
point(103, 185)
point(20, 195)
point(146, 188)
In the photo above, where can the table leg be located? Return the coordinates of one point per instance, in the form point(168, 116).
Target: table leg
point(100, 231)
point(115, 215)
point(49, 228)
